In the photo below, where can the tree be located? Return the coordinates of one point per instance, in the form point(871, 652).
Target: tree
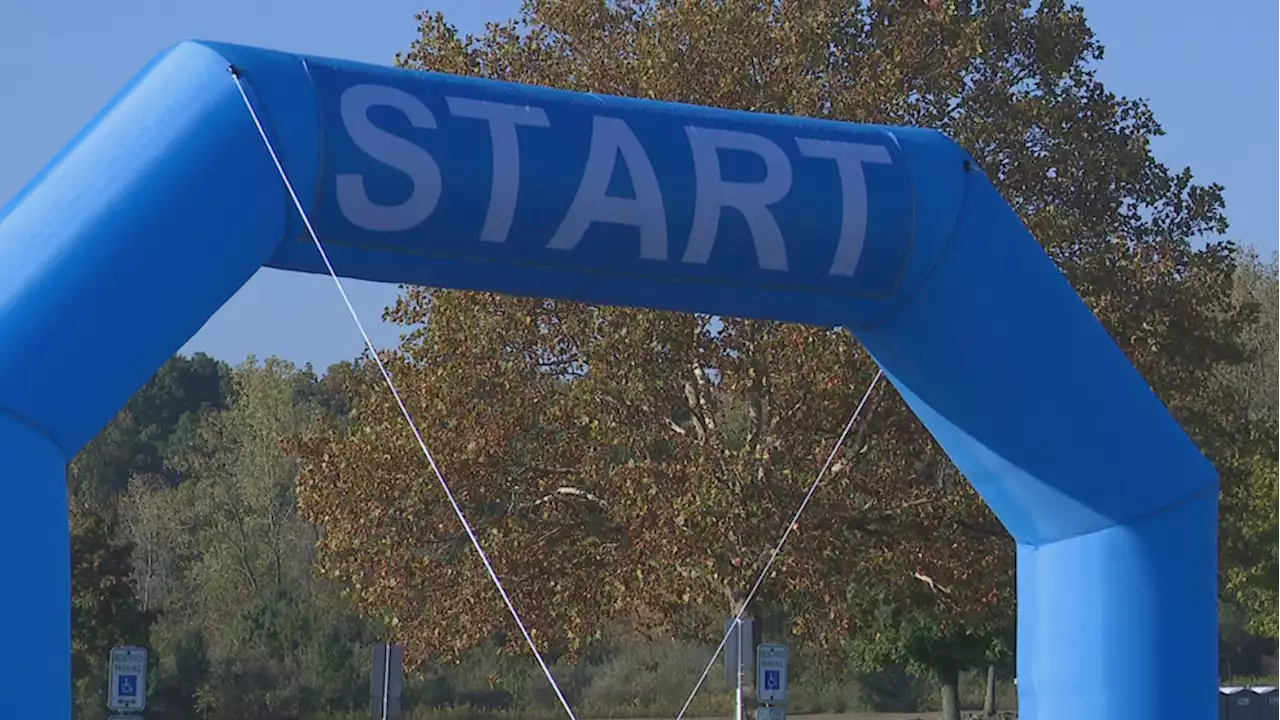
point(224, 557)
point(598, 479)
point(241, 485)
point(603, 452)
point(119, 586)
point(142, 434)
point(1249, 542)
point(104, 612)
point(289, 653)
point(152, 517)
point(1256, 292)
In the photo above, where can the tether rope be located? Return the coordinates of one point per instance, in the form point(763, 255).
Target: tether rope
point(736, 623)
point(404, 410)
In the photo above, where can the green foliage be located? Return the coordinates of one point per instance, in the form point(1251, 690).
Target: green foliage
point(182, 669)
point(1246, 423)
point(1256, 290)
point(900, 634)
point(1249, 546)
point(104, 611)
point(222, 556)
point(287, 654)
point(160, 415)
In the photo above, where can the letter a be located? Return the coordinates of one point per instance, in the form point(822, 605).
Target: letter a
point(611, 138)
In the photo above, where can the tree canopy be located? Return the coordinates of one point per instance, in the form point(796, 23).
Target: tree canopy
point(630, 463)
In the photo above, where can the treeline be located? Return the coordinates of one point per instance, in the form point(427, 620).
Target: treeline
point(188, 538)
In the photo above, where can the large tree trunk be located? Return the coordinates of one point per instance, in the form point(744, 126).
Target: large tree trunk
point(989, 697)
point(949, 682)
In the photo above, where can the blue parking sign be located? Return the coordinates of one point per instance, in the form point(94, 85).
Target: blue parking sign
point(127, 689)
point(771, 675)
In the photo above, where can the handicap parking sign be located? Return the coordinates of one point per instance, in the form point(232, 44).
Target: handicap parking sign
point(127, 689)
point(771, 673)
point(127, 686)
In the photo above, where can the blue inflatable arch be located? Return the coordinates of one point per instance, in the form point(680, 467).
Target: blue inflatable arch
point(168, 202)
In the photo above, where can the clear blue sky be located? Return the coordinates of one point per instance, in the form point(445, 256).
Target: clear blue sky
point(1210, 74)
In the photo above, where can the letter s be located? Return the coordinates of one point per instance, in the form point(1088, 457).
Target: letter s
point(397, 152)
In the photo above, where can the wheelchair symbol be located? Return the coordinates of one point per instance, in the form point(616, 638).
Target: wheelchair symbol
point(772, 680)
point(127, 686)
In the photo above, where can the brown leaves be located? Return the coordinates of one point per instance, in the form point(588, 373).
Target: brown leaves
point(618, 465)
point(696, 439)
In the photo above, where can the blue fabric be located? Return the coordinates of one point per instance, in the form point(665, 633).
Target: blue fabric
point(168, 202)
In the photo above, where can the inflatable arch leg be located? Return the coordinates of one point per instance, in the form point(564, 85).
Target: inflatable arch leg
point(159, 211)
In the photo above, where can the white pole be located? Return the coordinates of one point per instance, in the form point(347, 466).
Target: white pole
point(737, 695)
point(386, 682)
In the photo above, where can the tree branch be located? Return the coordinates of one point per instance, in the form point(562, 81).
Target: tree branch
point(644, 409)
point(980, 531)
point(571, 493)
point(563, 493)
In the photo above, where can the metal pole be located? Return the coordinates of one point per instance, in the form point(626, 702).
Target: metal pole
point(386, 681)
point(737, 695)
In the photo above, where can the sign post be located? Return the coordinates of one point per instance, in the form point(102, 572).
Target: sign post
point(738, 657)
point(127, 688)
point(771, 680)
point(741, 635)
point(387, 683)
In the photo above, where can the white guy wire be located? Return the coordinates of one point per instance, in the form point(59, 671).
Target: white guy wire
point(777, 549)
point(373, 351)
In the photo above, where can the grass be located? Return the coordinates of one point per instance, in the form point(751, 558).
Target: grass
point(653, 680)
